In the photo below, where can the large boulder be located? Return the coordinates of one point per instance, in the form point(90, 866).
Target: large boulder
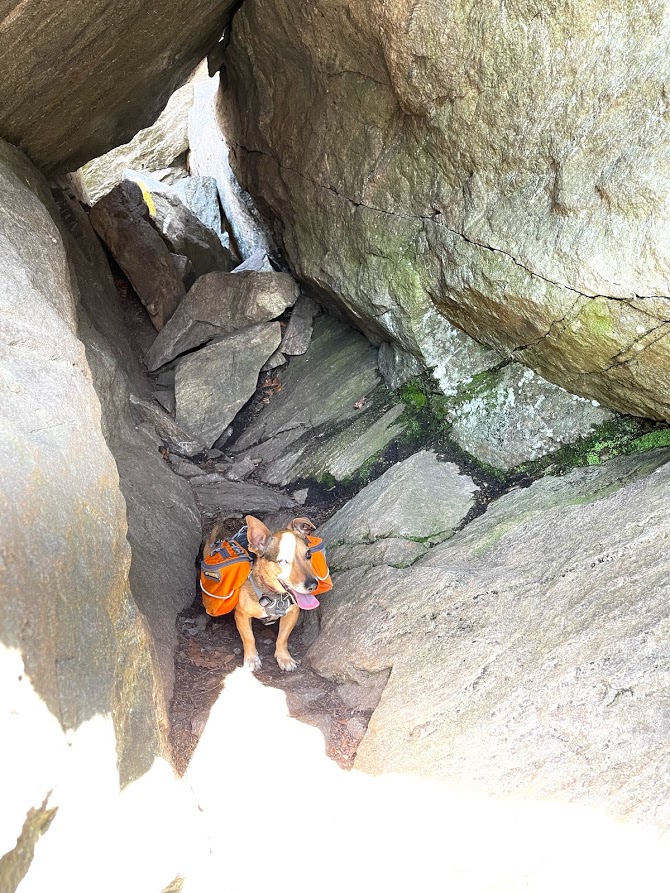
point(518, 184)
point(418, 499)
point(66, 599)
point(219, 304)
point(83, 707)
point(213, 384)
point(83, 79)
point(121, 219)
point(529, 654)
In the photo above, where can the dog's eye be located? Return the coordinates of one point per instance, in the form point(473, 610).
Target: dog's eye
point(308, 554)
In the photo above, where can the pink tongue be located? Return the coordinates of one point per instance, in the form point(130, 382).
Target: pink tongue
point(306, 602)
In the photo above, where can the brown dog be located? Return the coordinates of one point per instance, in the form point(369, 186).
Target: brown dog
point(281, 581)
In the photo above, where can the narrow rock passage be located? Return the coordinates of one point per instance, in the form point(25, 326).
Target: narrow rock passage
point(209, 649)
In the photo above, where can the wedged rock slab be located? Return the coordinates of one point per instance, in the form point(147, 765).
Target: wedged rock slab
point(184, 233)
point(121, 219)
point(536, 637)
point(323, 385)
point(187, 213)
point(515, 416)
point(298, 332)
point(170, 432)
point(218, 496)
point(391, 551)
point(338, 453)
point(221, 303)
point(214, 383)
point(420, 498)
point(258, 261)
point(201, 197)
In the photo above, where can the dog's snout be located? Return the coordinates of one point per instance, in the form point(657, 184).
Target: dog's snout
point(311, 584)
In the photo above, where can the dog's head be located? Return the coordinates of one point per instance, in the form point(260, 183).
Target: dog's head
point(282, 559)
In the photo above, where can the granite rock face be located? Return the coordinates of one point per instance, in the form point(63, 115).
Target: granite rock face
point(517, 185)
point(99, 72)
point(163, 521)
point(209, 157)
point(328, 416)
point(323, 385)
point(418, 499)
point(214, 383)
point(516, 416)
point(529, 653)
point(83, 706)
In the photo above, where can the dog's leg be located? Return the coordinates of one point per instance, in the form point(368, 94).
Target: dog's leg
point(243, 624)
point(286, 624)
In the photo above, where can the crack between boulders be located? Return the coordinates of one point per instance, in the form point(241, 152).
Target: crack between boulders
point(433, 220)
point(621, 359)
point(563, 319)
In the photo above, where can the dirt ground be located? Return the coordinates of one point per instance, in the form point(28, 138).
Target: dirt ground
point(210, 648)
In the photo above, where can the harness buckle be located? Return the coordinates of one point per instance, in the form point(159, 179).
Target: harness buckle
point(275, 607)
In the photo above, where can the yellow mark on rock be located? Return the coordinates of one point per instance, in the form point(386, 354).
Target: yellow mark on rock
point(146, 195)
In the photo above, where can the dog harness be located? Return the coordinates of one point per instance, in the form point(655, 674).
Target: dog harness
point(228, 565)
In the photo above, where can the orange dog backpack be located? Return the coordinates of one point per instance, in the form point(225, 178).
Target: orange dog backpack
point(226, 568)
point(317, 553)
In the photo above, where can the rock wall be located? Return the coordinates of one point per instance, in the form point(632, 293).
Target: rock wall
point(66, 605)
point(87, 77)
point(529, 653)
point(83, 702)
point(163, 520)
point(505, 166)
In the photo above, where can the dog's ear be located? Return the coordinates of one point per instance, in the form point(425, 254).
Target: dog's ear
point(301, 526)
point(258, 535)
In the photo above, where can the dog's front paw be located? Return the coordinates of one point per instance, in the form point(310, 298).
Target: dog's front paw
point(287, 663)
point(253, 663)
